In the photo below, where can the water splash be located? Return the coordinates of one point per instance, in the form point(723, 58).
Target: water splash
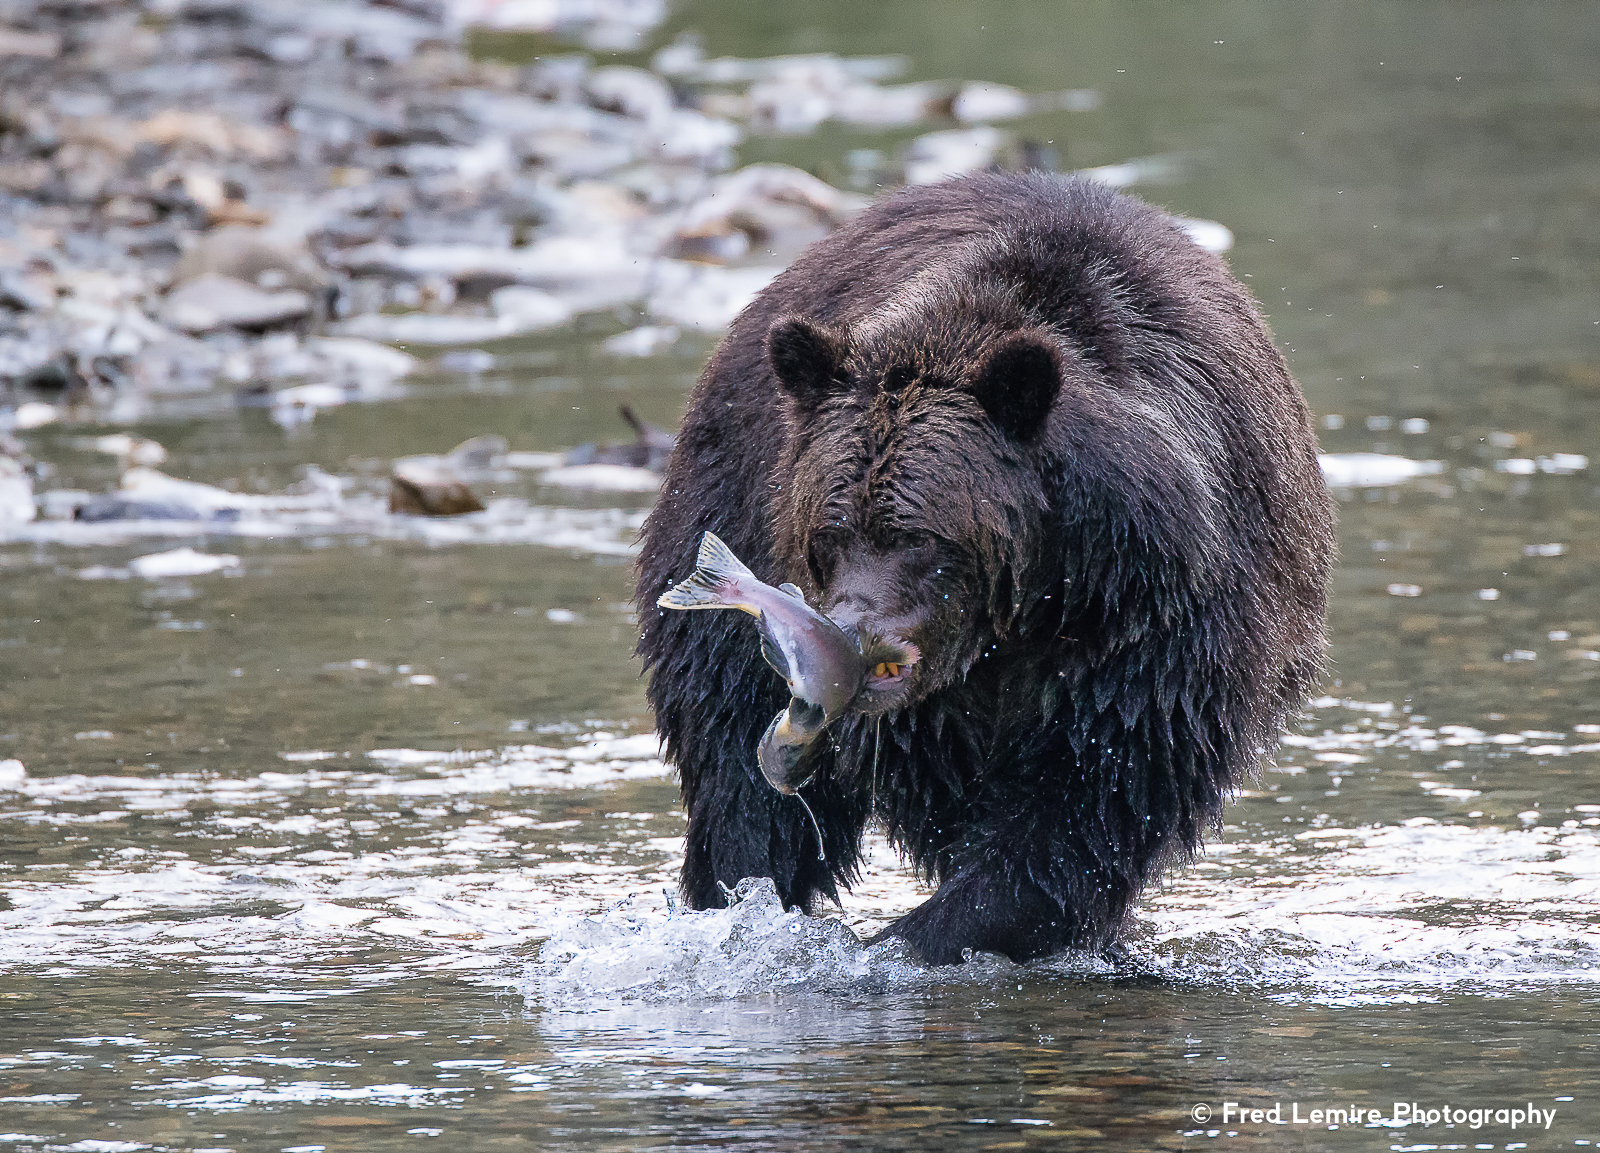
point(481, 859)
point(753, 946)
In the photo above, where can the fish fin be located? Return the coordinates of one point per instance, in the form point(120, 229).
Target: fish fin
point(715, 568)
point(716, 557)
point(793, 590)
point(774, 656)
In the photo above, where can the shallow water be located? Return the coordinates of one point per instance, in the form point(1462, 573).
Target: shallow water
point(291, 836)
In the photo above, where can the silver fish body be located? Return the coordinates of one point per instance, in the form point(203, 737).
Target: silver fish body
point(820, 662)
point(824, 666)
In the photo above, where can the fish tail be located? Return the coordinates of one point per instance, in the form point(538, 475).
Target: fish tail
point(716, 570)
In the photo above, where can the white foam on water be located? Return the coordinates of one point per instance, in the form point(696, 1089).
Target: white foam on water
point(664, 954)
point(458, 893)
point(1384, 912)
point(1371, 914)
point(289, 869)
point(597, 764)
point(1368, 916)
point(306, 1093)
point(754, 946)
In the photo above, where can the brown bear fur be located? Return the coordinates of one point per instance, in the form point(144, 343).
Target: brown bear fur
point(1026, 424)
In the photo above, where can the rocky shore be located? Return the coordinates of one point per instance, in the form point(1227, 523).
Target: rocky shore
point(262, 198)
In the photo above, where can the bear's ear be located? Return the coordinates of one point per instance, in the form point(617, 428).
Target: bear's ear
point(1018, 382)
point(806, 357)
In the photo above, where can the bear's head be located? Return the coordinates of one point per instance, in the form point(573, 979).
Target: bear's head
point(912, 503)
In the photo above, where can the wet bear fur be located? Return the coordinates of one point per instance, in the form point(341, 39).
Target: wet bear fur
point(1027, 424)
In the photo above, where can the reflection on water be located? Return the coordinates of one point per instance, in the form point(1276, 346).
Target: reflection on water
point(283, 842)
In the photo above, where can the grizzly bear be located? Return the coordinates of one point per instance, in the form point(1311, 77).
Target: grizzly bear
point(1027, 425)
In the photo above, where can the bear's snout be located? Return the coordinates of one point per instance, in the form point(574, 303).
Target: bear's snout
point(866, 606)
point(890, 642)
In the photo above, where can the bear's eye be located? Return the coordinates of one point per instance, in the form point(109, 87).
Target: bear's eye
point(908, 540)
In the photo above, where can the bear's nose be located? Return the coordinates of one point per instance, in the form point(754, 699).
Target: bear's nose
point(869, 599)
point(867, 625)
point(848, 615)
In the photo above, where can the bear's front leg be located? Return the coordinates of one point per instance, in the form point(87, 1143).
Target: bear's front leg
point(740, 827)
point(985, 914)
point(1025, 890)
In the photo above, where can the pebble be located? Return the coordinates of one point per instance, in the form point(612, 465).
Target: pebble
point(429, 495)
point(954, 152)
point(257, 255)
point(44, 45)
point(528, 309)
point(131, 450)
point(429, 328)
point(982, 102)
point(646, 340)
point(268, 198)
point(439, 485)
point(767, 207)
point(298, 405)
point(1142, 170)
point(706, 298)
point(30, 414)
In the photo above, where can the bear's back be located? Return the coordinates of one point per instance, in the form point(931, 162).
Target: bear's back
point(1118, 279)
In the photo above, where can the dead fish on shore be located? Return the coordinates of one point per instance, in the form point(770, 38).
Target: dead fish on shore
point(649, 449)
point(824, 666)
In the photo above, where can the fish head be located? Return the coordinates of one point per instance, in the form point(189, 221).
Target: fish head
point(916, 481)
point(784, 753)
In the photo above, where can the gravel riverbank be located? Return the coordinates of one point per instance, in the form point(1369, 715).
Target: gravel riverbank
point(296, 204)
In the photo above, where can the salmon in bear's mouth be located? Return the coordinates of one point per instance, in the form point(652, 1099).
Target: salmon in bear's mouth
point(826, 667)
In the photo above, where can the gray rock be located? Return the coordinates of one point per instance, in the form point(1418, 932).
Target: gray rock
point(427, 328)
point(211, 302)
point(529, 309)
point(954, 152)
point(256, 256)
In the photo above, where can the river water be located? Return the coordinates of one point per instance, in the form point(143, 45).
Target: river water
point(363, 844)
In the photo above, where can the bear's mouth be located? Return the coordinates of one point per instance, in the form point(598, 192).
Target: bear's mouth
point(886, 676)
point(891, 668)
point(784, 751)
